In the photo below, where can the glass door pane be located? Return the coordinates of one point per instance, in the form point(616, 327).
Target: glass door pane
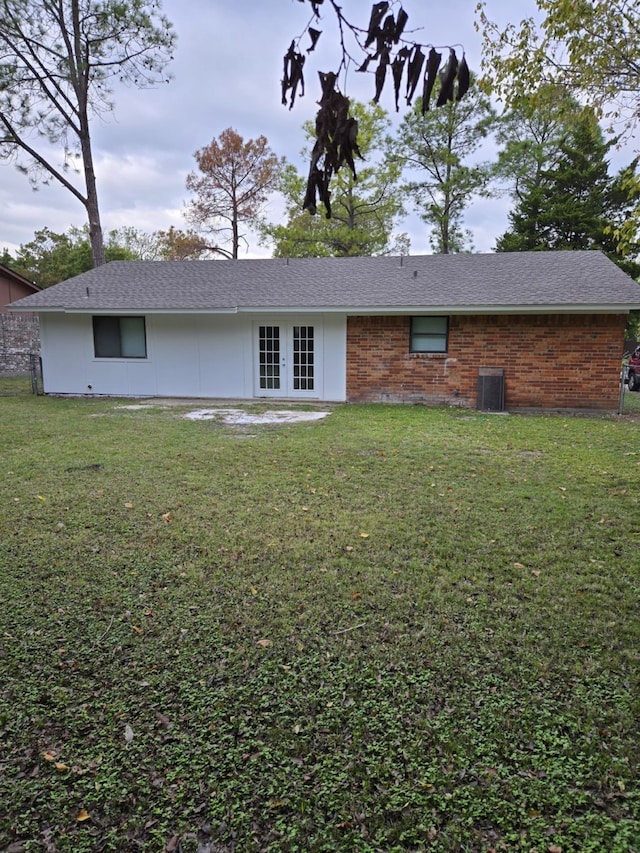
point(303, 358)
point(269, 348)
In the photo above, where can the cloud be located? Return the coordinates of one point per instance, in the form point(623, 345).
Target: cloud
point(226, 73)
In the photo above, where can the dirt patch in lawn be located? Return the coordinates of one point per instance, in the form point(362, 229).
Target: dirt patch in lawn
point(239, 417)
point(233, 416)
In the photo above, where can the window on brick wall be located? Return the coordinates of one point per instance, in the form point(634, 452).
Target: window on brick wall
point(429, 334)
point(119, 337)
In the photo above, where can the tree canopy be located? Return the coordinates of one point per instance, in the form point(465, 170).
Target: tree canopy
point(50, 257)
point(232, 184)
point(438, 147)
point(566, 199)
point(364, 211)
point(591, 48)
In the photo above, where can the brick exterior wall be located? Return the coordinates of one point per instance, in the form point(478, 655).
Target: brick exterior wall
point(19, 336)
point(549, 360)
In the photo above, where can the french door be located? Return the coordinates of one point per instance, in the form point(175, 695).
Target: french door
point(287, 360)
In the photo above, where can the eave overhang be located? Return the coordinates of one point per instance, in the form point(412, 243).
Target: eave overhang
point(348, 310)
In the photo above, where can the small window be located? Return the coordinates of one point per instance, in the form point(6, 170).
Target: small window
point(429, 334)
point(119, 337)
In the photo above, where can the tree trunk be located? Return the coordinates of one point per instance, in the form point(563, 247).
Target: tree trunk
point(79, 71)
point(93, 215)
point(91, 200)
point(234, 232)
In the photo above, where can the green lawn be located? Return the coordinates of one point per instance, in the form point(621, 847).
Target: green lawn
point(397, 629)
point(631, 402)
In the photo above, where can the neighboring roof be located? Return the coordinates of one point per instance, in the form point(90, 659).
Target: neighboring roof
point(7, 272)
point(563, 281)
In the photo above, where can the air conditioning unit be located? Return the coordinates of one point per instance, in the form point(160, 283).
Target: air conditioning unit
point(490, 389)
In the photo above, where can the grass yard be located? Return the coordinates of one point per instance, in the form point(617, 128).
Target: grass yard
point(397, 629)
point(631, 403)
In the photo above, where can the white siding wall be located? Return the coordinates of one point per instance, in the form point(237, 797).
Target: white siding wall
point(188, 355)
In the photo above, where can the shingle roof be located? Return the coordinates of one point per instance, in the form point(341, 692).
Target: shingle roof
point(521, 281)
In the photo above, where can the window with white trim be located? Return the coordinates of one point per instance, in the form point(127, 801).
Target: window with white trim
point(429, 334)
point(119, 337)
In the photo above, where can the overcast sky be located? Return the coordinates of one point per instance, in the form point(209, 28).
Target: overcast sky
point(226, 73)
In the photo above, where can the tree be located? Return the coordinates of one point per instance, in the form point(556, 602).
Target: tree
point(171, 245)
point(58, 59)
point(565, 205)
point(532, 134)
point(591, 48)
point(235, 180)
point(7, 259)
point(177, 245)
point(50, 258)
point(439, 146)
point(571, 201)
point(363, 211)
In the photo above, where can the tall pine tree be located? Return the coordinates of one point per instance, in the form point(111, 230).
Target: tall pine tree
point(437, 148)
point(569, 204)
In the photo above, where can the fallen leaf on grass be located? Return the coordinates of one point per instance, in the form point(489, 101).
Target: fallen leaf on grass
point(166, 517)
point(83, 814)
point(136, 629)
point(264, 643)
point(41, 498)
point(554, 848)
point(363, 535)
point(129, 505)
point(536, 572)
point(356, 595)
point(172, 844)
point(128, 733)
point(60, 766)
point(49, 756)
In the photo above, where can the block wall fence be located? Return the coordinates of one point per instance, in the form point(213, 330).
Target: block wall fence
point(549, 360)
point(19, 338)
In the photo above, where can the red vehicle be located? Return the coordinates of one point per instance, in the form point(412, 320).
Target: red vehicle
point(633, 371)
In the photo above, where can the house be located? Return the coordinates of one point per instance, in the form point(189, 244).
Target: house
point(13, 286)
point(397, 329)
point(19, 333)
